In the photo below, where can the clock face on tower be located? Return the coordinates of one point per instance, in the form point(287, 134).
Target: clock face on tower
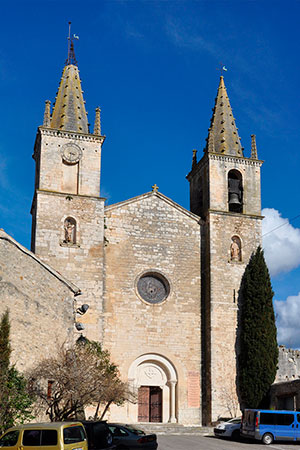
point(71, 153)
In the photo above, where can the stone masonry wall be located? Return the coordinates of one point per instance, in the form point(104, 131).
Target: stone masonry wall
point(151, 233)
point(288, 364)
point(81, 263)
point(219, 166)
point(71, 190)
point(51, 174)
point(226, 277)
point(41, 306)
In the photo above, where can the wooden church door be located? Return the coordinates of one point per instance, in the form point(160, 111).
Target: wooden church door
point(155, 404)
point(150, 404)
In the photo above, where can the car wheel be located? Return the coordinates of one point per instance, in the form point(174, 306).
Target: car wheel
point(235, 435)
point(267, 439)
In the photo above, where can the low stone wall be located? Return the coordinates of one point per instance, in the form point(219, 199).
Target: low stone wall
point(288, 364)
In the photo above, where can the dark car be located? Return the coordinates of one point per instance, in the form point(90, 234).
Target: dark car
point(99, 435)
point(128, 437)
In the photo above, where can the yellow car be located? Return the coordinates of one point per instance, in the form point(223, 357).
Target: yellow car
point(45, 436)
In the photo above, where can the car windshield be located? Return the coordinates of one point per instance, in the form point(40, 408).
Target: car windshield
point(134, 430)
point(237, 420)
point(9, 439)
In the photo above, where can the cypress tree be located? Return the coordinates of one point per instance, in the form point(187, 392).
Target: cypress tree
point(5, 348)
point(258, 350)
point(15, 402)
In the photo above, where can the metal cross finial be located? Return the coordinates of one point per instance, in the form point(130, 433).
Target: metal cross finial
point(155, 188)
point(71, 54)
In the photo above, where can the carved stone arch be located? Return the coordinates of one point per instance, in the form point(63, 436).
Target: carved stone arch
point(154, 370)
point(159, 359)
point(235, 191)
point(236, 249)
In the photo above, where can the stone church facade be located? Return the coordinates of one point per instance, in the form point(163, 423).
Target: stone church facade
point(162, 283)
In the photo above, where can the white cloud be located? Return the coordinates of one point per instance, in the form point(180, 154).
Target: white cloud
point(184, 38)
point(281, 242)
point(287, 313)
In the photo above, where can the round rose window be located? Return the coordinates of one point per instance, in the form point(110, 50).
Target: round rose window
point(153, 287)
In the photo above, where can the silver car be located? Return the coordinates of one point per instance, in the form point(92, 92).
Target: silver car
point(229, 429)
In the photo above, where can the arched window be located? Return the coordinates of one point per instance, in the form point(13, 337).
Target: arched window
point(235, 191)
point(70, 230)
point(235, 249)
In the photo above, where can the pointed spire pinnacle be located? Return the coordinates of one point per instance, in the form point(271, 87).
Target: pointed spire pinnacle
point(97, 125)
point(223, 134)
point(194, 161)
point(69, 112)
point(253, 147)
point(47, 114)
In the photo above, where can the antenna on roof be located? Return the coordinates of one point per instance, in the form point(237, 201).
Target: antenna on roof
point(71, 54)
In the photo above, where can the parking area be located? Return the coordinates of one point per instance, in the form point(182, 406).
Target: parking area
point(195, 442)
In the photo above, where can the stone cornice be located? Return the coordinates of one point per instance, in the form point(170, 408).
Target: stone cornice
point(69, 195)
point(235, 159)
point(233, 214)
point(71, 135)
point(227, 158)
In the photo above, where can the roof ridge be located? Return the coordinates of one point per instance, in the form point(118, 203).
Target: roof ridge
point(157, 194)
point(8, 238)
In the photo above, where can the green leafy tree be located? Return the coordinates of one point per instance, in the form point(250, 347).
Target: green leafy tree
point(258, 350)
point(15, 402)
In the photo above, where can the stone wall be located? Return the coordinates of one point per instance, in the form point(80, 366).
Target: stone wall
point(288, 364)
point(223, 303)
point(63, 191)
point(40, 301)
point(152, 234)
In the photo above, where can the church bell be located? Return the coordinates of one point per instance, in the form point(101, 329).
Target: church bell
point(234, 198)
point(235, 194)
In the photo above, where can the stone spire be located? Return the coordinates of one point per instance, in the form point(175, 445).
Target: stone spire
point(253, 147)
point(47, 114)
point(97, 125)
point(194, 161)
point(223, 134)
point(69, 112)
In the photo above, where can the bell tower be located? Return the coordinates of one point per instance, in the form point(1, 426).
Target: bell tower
point(67, 210)
point(225, 193)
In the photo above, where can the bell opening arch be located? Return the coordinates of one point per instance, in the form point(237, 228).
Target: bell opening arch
point(235, 191)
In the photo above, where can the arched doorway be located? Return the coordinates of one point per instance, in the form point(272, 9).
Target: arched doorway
point(154, 379)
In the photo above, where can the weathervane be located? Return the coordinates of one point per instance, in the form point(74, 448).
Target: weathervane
point(71, 54)
point(222, 69)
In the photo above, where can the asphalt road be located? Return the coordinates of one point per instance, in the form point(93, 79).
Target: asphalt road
point(194, 442)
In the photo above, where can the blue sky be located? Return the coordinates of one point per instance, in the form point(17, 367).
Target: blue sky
point(152, 67)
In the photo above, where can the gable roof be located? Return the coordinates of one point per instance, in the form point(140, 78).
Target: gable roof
point(6, 237)
point(161, 196)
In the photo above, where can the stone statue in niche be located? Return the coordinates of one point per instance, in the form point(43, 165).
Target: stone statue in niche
point(235, 249)
point(70, 230)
